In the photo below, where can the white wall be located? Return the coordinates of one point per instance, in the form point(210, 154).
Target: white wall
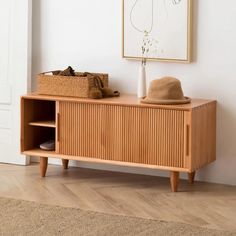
point(87, 35)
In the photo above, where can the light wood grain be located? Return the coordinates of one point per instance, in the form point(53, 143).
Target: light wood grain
point(57, 132)
point(202, 204)
point(52, 154)
point(48, 123)
point(123, 131)
point(123, 100)
point(174, 180)
point(203, 136)
point(125, 134)
point(43, 166)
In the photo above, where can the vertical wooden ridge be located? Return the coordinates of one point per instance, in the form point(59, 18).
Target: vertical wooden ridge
point(122, 133)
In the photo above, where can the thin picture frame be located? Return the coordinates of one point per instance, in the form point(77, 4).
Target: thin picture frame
point(188, 58)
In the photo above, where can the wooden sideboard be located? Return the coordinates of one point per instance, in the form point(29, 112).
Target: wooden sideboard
point(121, 131)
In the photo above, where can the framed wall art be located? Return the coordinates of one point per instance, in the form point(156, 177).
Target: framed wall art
point(157, 30)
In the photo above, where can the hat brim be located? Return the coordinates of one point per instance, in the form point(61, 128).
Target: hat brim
point(166, 102)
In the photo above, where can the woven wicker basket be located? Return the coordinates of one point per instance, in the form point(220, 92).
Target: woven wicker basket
point(69, 86)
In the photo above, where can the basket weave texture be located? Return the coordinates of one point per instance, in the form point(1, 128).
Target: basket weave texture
point(69, 86)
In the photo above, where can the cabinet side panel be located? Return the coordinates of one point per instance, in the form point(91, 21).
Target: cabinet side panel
point(203, 135)
point(120, 133)
point(22, 125)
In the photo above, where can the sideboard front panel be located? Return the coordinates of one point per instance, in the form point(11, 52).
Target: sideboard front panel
point(122, 133)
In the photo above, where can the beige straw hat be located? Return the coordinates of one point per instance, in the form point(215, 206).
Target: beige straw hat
point(166, 91)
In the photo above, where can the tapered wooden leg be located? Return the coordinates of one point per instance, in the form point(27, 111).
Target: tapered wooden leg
point(43, 166)
point(174, 180)
point(65, 163)
point(191, 177)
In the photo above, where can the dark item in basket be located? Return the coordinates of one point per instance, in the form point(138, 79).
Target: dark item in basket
point(69, 71)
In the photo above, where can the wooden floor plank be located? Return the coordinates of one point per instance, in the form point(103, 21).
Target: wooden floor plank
point(201, 204)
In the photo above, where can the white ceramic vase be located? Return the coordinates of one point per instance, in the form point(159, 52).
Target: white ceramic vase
point(142, 87)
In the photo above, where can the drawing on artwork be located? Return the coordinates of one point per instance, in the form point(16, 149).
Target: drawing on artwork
point(156, 29)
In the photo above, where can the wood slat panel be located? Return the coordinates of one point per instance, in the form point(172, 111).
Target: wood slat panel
point(122, 133)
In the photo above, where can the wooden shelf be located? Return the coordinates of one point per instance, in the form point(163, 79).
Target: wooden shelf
point(47, 123)
point(39, 152)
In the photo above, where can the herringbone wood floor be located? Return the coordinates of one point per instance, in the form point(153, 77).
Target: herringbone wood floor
point(206, 205)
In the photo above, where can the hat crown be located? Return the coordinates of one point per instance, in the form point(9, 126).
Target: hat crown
point(166, 88)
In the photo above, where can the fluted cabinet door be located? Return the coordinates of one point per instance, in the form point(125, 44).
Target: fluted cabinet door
point(123, 133)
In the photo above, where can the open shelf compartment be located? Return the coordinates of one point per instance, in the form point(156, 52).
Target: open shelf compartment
point(38, 123)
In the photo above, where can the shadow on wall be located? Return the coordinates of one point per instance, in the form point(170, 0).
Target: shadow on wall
point(226, 148)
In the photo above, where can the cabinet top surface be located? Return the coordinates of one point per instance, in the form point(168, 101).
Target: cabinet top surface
point(124, 99)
